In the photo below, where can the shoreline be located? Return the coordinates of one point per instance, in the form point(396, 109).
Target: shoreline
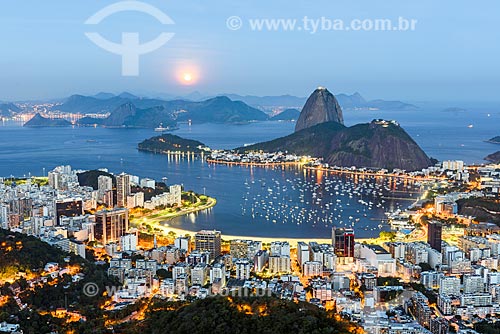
point(355, 172)
point(154, 221)
point(179, 153)
point(226, 237)
point(162, 224)
point(257, 164)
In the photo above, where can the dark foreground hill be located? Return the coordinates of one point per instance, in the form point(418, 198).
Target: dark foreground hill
point(240, 315)
point(379, 144)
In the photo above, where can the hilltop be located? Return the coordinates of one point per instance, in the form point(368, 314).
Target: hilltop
point(169, 142)
point(379, 144)
point(320, 107)
point(39, 121)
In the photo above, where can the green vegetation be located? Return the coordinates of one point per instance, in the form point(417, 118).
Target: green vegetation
point(40, 181)
point(24, 254)
point(28, 254)
point(425, 266)
point(239, 315)
point(304, 142)
point(431, 295)
point(173, 143)
point(487, 328)
point(389, 281)
point(370, 145)
point(387, 235)
point(483, 208)
point(90, 178)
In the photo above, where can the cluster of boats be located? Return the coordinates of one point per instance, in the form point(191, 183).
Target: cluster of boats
point(324, 199)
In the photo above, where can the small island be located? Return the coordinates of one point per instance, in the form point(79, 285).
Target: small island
point(494, 140)
point(172, 144)
point(38, 121)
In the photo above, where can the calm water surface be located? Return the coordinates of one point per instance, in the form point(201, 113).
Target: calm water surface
point(257, 201)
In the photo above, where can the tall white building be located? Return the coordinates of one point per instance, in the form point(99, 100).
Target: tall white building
point(431, 279)
point(104, 183)
point(148, 183)
point(279, 264)
point(279, 248)
point(473, 284)
point(243, 268)
point(122, 189)
point(312, 268)
point(199, 274)
point(260, 260)
point(449, 285)
point(183, 243)
point(218, 272)
point(128, 242)
point(455, 165)
point(379, 258)
point(302, 252)
point(135, 200)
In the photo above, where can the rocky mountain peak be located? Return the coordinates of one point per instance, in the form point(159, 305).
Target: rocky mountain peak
point(320, 107)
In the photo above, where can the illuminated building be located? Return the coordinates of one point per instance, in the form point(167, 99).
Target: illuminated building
point(69, 208)
point(111, 225)
point(343, 242)
point(122, 189)
point(208, 241)
point(434, 235)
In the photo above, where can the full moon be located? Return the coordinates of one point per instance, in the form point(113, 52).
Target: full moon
point(187, 75)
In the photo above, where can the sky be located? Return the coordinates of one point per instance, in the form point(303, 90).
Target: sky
point(451, 55)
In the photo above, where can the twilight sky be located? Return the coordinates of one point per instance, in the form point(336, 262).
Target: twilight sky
point(452, 54)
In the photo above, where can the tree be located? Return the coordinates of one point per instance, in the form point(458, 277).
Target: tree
point(162, 273)
point(425, 266)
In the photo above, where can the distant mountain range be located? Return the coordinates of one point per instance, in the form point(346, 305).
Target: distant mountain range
point(127, 111)
point(106, 102)
point(347, 102)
